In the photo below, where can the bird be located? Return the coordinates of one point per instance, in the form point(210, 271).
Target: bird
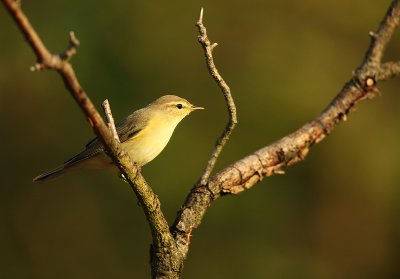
point(143, 135)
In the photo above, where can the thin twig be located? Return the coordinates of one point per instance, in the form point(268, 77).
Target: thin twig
point(381, 38)
point(56, 61)
point(110, 120)
point(208, 48)
point(71, 50)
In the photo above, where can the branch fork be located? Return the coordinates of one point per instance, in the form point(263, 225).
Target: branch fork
point(50, 61)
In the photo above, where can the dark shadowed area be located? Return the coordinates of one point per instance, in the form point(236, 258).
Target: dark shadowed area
point(335, 215)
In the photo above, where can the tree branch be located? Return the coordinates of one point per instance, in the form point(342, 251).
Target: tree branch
point(381, 38)
point(293, 148)
point(208, 48)
point(162, 238)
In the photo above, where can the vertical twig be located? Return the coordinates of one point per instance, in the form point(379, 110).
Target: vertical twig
point(208, 48)
point(110, 120)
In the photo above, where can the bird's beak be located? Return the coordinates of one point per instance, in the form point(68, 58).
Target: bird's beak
point(196, 108)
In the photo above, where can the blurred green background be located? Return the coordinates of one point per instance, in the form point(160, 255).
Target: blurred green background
point(335, 215)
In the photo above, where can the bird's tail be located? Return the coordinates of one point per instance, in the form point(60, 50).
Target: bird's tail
point(48, 175)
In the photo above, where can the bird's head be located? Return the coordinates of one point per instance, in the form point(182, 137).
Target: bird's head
point(173, 107)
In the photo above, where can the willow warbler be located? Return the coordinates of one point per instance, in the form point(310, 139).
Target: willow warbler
point(143, 135)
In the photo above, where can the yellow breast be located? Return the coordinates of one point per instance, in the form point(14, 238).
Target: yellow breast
point(149, 142)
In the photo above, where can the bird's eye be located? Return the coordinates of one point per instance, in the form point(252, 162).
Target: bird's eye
point(179, 106)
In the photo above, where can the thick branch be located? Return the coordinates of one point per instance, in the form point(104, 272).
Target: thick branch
point(162, 239)
point(293, 148)
point(222, 140)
